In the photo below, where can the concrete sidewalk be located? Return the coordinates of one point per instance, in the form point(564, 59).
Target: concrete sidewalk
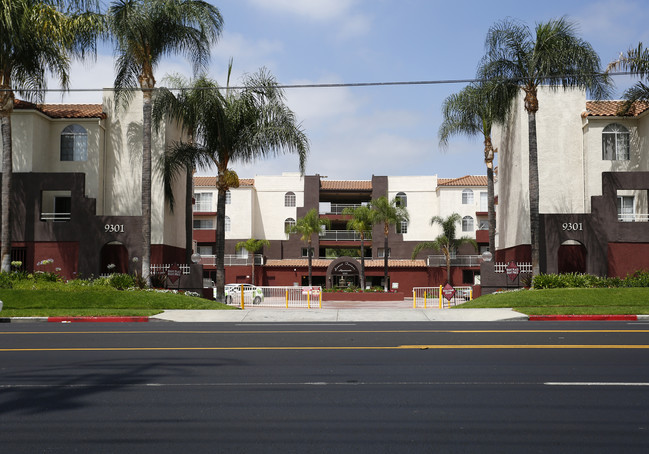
point(357, 314)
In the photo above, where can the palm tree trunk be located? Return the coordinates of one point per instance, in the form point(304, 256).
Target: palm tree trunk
point(309, 254)
point(5, 236)
point(189, 213)
point(385, 258)
point(252, 273)
point(534, 193)
point(491, 209)
point(220, 241)
point(146, 186)
point(362, 261)
point(449, 277)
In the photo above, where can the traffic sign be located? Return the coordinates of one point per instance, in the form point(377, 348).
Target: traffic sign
point(173, 273)
point(448, 291)
point(513, 270)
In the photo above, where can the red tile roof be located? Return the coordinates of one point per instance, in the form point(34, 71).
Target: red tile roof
point(64, 110)
point(210, 182)
point(611, 108)
point(467, 180)
point(346, 185)
point(323, 263)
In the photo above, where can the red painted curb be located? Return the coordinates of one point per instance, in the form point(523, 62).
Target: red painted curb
point(96, 319)
point(618, 317)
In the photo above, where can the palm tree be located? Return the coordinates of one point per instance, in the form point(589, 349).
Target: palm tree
point(472, 112)
point(636, 60)
point(447, 242)
point(252, 246)
point(554, 56)
point(362, 220)
point(307, 226)
point(388, 212)
point(144, 31)
point(185, 109)
point(55, 32)
point(239, 125)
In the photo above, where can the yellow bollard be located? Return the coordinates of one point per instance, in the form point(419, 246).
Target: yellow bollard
point(286, 298)
point(425, 303)
point(320, 298)
point(308, 299)
point(242, 305)
point(471, 295)
point(414, 299)
point(440, 298)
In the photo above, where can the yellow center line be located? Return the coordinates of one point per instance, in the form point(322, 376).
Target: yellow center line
point(397, 347)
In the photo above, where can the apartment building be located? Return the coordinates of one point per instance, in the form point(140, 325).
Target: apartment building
point(264, 207)
point(593, 177)
point(76, 195)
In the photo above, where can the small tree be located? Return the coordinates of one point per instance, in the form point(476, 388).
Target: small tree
point(362, 220)
point(388, 212)
point(252, 246)
point(636, 60)
point(446, 242)
point(307, 226)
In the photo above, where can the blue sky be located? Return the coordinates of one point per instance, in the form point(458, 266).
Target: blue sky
point(357, 132)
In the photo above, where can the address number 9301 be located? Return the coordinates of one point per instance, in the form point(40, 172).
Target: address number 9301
point(572, 226)
point(114, 228)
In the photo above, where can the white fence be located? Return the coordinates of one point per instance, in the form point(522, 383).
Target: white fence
point(434, 298)
point(162, 269)
point(233, 260)
point(284, 297)
point(459, 260)
point(523, 267)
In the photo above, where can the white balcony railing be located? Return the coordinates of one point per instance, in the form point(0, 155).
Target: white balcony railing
point(337, 208)
point(205, 207)
point(233, 260)
point(459, 260)
point(633, 217)
point(343, 235)
point(56, 217)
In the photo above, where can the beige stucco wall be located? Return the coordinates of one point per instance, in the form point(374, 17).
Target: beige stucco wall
point(450, 201)
point(271, 214)
point(421, 203)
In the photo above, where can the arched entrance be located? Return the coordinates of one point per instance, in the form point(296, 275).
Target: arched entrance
point(114, 258)
point(343, 272)
point(572, 257)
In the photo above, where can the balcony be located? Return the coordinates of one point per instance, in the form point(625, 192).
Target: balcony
point(343, 235)
point(233, 260)
point(633, 217)
point(460, 260)
point(337, 208)
point(56, 217)
point(203, 207)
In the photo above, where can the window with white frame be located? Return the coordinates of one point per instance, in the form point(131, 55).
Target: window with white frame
point(467, 224)
point(203, 224)
point(467, 197)
point(288, 224)
point(484, 205)
point(626, 208)
point(484, 224)
point(203, 201)
point(228, 197)
point(380, 252)
point(615, 143)
point(228, 225)
point(401, 199)
point(205, 249)
point(74, 143)
point(289, 199)
point(402, 227)
point(242, 253)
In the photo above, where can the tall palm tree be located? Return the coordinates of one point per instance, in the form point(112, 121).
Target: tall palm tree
point(307, 226)
point(388, 212)
point(447, 242)
point(144, 31)
point(184, 108)
point(253, 246)
point(636, 60)
point(239, 125)
point(472, 112)
point(362, 220)
point(37, 37)
point(553, 55)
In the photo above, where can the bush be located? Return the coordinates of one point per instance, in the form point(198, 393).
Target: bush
point(121, 281)
point(6, 282)
point(577, 280)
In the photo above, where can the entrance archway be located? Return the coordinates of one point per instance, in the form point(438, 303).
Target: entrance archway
point(343, 272)
point(114, 253)
point(572, 257)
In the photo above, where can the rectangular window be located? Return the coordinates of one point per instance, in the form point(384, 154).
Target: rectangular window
point(205, 250)
point(484, 224)
point(56, 206)
point(203, 224)
point(203, 201)
point(625, 208)
point(484, 206)
point(381, 252)
point(402, 227)
point(242, 253)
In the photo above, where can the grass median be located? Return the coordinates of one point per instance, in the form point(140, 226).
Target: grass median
point(96, 302)
point(569, 301)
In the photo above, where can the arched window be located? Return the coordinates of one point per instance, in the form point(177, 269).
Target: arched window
point(289, 199)
point(288, 223)
point(615, 143)
point(402, 199)
point(228, 225)
point(74, 143)
point(467, 197)
point(467, 224)
point(228, 197)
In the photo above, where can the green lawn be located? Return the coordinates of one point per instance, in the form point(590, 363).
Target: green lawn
point(61, 301)
point(563, 301)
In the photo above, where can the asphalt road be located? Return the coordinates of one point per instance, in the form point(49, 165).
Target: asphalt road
point(363, 387)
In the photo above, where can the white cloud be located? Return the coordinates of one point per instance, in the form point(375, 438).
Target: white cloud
point(320, 10)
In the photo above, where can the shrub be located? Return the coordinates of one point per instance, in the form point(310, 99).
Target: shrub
point(157, 280)
point(121, 281)
point(6, 281)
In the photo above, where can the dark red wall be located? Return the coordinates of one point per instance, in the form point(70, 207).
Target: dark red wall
point(627, 258)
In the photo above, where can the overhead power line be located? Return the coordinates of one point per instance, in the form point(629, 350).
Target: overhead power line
point(290, 86)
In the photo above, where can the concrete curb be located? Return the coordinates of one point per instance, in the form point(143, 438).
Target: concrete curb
point(73, 319)
point(611, 317)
